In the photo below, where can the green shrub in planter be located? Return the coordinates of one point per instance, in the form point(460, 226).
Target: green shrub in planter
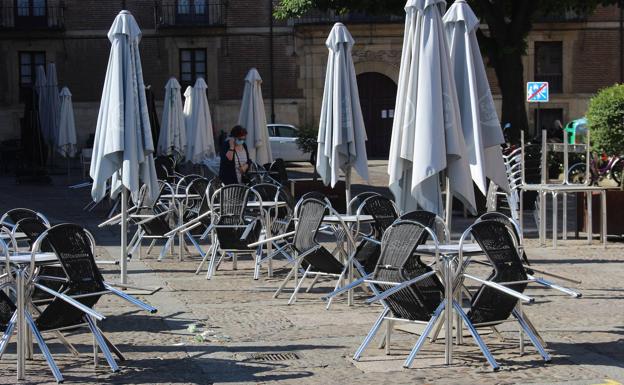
point(605, 117)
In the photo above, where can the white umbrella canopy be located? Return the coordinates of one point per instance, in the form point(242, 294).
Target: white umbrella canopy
point(123, 148)
point(42, 100)
point(200, 141)
point(53, 103)
point(66, 138)
point(173, 131)
point(252, 116)
point(342, 135)
point(480, 122)
point(427, 137)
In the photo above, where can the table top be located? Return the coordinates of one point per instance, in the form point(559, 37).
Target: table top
point(347, 218)
point(450, 249)
point(24, 258)
point(17, 235)
point(561, 187)
point(179, 196)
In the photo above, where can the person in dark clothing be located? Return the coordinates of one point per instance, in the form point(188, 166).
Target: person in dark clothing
point(235, 160)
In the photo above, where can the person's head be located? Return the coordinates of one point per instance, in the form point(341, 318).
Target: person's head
point(239, 133)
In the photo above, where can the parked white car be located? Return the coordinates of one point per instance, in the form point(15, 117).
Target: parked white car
point(283, 138)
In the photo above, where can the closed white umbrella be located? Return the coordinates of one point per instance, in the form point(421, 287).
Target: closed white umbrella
point(66, 138)
point(200, 141)
point(123, 148)
point(342, 135)
point(427, 138)
point(53, 103)
point(42, 101)
point(480, 123)
point(173, 131)
point(252, 117)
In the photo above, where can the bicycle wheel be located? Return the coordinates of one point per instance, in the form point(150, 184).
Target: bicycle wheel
point(616, 172)
point(576, 173)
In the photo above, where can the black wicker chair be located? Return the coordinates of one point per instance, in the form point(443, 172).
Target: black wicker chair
point(280, 217)
point(10, 218)
point(234, 225)
point(305, 250)
point(499, 296)
point(73, 304)
point(277, 171)
point(368, 250)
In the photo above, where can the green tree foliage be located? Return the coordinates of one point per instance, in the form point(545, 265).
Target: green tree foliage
point(605, 117)
point(503, 41)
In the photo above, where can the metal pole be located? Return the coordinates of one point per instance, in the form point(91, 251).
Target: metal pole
point(449, 209)
point(348, 189)
point(271, 72)
point(124, 235)
point(448, 309)
point(21, 327)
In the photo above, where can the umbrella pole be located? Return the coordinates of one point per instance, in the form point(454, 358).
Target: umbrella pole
point(348, 189)
point(449, 205)
point(124, 235)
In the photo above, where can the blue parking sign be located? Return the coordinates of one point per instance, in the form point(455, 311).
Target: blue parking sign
point(537, 92)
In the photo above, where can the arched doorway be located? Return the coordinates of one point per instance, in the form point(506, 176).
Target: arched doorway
point(377, 98)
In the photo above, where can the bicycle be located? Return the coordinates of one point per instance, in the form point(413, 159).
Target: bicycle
point(599, 168)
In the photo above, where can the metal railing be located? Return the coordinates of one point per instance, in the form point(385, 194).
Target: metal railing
point(330, 17)
point(196, 13)
point(29, 18)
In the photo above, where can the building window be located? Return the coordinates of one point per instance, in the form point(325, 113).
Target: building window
point(192, 66)
point(191, 7)
point(28, 63)
point(549, 64)
point(30, 8)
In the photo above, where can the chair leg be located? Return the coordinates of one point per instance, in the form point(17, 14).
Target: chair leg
point(476, 337)
point(258, 258)
point(102, 344)
point(196, 245)
point(8, 333)
point(151, 246)
point(371, 334)
point(532, 336)
point(67, 344)
point(234, 261)
point(112, 346)
point(421, 340)
point(206, 254)
point(293, 297)
point(338, 284)
point(389, 325)
point(285, 281)
point(437, 330)
point(314, 281)
point(212, 266)
point(44, 349)
point(165, 248)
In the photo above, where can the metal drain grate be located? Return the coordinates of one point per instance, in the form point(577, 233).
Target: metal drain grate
point(274, 357)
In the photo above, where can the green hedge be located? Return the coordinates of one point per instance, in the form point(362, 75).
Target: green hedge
point(605, 118)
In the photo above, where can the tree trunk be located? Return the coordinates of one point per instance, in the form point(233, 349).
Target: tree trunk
point(510, 75)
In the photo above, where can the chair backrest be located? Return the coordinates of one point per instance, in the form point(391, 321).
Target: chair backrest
point(213, 185)
point(428, 219)
point(267, 191)
point(382, 210)
point(232, 201)
point(496, 241)
point(12, 216)
point(73, 246)
point(309, 217)
point(165, 166)
point(277, 171)
point(357, 200)
point(398, 263)
point(33, 228)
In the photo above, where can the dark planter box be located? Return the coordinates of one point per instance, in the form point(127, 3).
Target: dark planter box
point(615, 205)
point(335, 195)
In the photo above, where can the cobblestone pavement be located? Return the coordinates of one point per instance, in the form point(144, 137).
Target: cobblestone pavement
point(213, 331)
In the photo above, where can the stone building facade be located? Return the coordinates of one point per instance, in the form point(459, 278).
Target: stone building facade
point(222, 39)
